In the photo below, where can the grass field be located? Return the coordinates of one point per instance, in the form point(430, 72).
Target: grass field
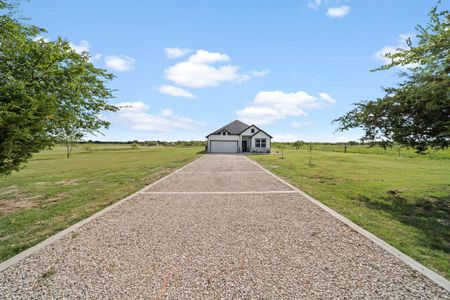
point(395, 150)
point(53, 192)
point(405, 201)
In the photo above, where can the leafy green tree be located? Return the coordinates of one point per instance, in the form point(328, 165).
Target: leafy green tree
point(298, 144)
point(416, 113)
point(45, 89)
point(68, 138)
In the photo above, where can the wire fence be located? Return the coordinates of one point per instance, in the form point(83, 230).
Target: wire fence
point(364, 149)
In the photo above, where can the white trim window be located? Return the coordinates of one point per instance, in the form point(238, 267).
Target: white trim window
point(260, 143)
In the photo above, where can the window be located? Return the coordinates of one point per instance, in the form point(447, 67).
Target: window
point(260, 143)
point(224, 133)
point(253, 130)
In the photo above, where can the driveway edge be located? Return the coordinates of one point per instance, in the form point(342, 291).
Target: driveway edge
point(433, 276)
point(15, 259)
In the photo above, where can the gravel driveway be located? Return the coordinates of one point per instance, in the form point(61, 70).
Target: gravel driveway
point(221, 227)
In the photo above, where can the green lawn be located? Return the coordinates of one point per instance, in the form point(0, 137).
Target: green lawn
point(53, 192)
point(404, 201)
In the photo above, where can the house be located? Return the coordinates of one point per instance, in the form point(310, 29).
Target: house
point(239, 137)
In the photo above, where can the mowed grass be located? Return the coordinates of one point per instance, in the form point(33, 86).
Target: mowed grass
point(404, 201)
point(52, 192)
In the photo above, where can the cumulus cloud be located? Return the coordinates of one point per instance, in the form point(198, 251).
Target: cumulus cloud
point(300, 125)
point(201, 75)
point(327, 98)
point(83, 46)
point(271, 106)
point(136, 116)
point(175, 91)
point(121, 63)
point(338, 11)
point(172, 53)
point(285, 138)
point(201, 70)
point(206, 57)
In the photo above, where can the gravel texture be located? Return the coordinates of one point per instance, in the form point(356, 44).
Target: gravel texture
point(219, 182)
point(265, 246)
point(222, 163)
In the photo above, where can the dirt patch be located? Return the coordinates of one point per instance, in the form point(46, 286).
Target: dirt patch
point(9, 190)
point(8, 206)
point(12, 199)
point(51, 200)
point(67, 182)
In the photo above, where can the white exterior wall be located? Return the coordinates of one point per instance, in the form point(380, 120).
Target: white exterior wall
point(248, 131)
point(238, 138)
point(261, 135)
point(219, 137)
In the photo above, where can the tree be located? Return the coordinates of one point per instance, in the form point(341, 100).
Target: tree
point(68, 137)
point(416, 113)
point(46, 88)
point(298, 144)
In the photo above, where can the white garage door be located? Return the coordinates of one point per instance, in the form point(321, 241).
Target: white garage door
point(224, 146)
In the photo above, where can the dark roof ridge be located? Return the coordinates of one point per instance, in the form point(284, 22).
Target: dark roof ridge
point(234, 128)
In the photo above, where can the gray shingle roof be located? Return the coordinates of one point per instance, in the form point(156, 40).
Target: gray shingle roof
point(235, 127)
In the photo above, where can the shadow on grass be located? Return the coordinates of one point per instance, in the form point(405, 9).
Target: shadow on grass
point(430, 215)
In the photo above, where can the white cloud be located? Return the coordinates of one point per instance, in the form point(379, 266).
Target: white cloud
point(327, 98)
point(338, 12)
point(200, 70)
point(136, 116)
point(299, 125)
point(172, 53)
point(175, 91)
point(83, 46)
point(95, 57)
point(41, 38)
point(261, 73)
point(132, 106)
point(338, 138)
point(271, 106)
point(120, 63)
point(166, 112)
point(284, 138)
point(206, 57)
point(401, 44)
point(202, 75)
point(314, 4)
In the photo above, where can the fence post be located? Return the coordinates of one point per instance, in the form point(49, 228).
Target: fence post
point(310, 152)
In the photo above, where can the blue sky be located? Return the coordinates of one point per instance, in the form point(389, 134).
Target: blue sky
point(186, 68)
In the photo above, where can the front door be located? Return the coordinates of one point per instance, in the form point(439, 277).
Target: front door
point(244, 146)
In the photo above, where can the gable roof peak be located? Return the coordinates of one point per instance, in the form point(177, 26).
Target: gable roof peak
point(235, 128)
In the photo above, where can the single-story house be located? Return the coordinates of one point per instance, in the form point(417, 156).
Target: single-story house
point(239, 137)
